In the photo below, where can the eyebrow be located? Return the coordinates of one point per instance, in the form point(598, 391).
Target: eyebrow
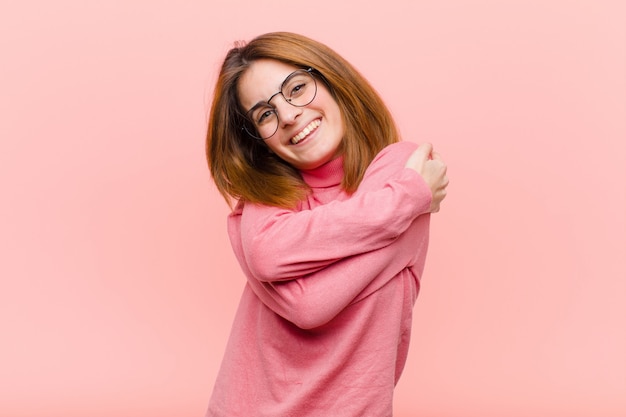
point(259, 104)
point(280, 89)
point(262, 103)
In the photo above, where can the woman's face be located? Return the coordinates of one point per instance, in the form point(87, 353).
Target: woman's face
point(307, 137)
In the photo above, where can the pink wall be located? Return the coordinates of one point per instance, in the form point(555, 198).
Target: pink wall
point(118, 285)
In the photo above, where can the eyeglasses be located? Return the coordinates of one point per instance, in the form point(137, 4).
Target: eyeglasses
point(298, 89)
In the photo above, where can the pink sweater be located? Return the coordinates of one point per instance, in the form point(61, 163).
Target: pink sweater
point(323, 324)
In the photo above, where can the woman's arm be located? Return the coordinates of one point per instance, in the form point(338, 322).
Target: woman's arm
point(313, 300)
point(280, 244)
point(312, 294)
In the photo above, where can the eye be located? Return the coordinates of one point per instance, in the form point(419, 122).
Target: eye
point(264, 115)
point(296, 86)
point(298, 89)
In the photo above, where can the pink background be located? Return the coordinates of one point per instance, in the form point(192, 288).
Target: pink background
point(118, 285)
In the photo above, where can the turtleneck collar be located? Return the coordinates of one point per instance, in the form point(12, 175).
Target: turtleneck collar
point(327, 175)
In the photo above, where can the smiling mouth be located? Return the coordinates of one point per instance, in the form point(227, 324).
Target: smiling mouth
point(306, 131)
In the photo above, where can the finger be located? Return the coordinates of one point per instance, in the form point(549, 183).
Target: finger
point(436, 156)
point(425, 149)
point(419, 157)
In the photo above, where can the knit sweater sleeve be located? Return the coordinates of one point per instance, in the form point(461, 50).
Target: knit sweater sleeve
point(311, 295)
point(280, 244)
point(313, 300)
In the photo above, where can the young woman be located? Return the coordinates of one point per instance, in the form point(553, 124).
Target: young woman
point(330, 227)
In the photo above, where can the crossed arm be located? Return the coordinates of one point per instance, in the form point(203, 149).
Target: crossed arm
point(309, 265)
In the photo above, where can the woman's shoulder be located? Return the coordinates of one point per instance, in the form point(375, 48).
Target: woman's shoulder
point(399, 148)
point(394, 153)
point(388, 163)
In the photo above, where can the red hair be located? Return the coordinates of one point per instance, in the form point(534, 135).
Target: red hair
point(244, 169)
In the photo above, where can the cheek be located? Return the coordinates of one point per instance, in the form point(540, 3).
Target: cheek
point(339, 122)
point(337, 116)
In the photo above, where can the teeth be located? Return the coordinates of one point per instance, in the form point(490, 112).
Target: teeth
point(306, 131)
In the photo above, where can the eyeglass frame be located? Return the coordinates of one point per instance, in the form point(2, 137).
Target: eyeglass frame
point(311, 71)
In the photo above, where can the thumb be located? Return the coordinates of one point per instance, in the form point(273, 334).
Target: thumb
point(425, 149)
point(418, 158)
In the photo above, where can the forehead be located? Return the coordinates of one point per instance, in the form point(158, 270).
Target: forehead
point(261, 80)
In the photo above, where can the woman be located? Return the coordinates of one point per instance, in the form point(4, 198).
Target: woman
point(330, 227)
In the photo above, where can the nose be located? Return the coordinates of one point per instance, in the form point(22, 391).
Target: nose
point(287, 113)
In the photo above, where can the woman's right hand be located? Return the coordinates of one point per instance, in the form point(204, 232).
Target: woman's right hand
point(431, 167)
